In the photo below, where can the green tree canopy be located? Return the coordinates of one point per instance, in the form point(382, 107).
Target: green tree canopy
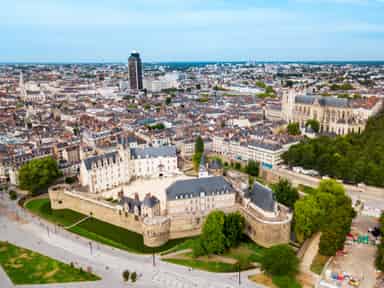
point(38, 174)
point(307, 216)
point(213, 235)
point(293, 129)
point(355, 158)
point(280, 260)
point(220, 232)
point(329, 210)
point(252, 168)
point(314, 124)
point(233, 229)
point(285, 193)
point(199, 145)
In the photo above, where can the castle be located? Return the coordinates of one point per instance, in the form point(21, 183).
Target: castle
point(336, 115)
point(151, 197)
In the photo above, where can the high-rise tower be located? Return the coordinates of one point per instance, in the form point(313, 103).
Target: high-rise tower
point(135, 71)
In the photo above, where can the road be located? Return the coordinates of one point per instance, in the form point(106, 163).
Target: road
point(372, 197)
point(23, 229)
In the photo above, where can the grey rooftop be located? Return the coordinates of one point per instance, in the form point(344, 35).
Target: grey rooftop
point(262, 197)
point(153, 152)
point(192, 188)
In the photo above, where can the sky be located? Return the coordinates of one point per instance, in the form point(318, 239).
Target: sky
point(191, 30)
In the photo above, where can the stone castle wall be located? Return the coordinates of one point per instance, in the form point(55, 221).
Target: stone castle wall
point(158, 230)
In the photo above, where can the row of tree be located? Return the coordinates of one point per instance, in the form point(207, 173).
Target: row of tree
point(355, 158)
point(328, 210)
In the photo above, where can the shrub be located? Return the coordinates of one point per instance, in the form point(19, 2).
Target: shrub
point(70, 180)
point(12, 195)
point(280, 260)
point(198, 248)
point(133, 277)
point(126, 275)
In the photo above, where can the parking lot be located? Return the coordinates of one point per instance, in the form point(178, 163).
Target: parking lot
point(358, 260)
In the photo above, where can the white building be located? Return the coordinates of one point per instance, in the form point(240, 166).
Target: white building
point(114, 169)
point(169, 80)
point(267, 154)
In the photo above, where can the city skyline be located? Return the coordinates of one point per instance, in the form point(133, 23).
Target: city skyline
point(297, 30)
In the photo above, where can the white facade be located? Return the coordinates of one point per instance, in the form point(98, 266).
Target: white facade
point(112, 170)
point(263, 153)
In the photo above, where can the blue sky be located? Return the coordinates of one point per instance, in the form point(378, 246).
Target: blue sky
point(191, 30)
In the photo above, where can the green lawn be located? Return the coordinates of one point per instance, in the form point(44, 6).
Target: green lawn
point(96, 230)
point(24, 266)
point(42, 208)
point(217, 267)
point(245, 254)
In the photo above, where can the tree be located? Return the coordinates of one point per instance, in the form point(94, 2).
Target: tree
point(196, 158)
point(285, 193)
point(280, 260)
point(133, 277)
point(199, 151)
point(233, 229)
point(168, 101)
point(269, 90)
point(314, 124)
point(199, 145)
point(307, 214)
point(126, 275)
point(37, 174)
point(213, 233)
point(379, 261)
point(331, 186)
point(251, 182)
point(328, 210)
point(260, 84)
point(198, 248)
point(355, 158)
point(252, 168)
point(293, 129)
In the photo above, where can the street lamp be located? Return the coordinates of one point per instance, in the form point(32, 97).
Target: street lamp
point(238, 265)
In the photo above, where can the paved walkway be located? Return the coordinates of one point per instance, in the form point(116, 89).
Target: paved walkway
point(310, 253)
point(105, 261)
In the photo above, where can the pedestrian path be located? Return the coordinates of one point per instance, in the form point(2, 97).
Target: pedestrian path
point(78, 222)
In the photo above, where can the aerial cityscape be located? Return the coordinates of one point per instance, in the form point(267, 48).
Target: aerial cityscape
point(175, 162)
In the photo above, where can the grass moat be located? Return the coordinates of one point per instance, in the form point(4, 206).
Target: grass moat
point(94, 229)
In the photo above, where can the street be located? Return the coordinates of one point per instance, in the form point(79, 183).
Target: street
point(22, 229)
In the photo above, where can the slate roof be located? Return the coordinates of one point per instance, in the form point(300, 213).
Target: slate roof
point(111, 156)
point(262, 197)
point(323, 101)
point(150, 201)
point(153, 152)
point(131, 203)
point(192, 188)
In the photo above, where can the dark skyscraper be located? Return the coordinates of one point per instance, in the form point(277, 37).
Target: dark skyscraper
point(135, 71)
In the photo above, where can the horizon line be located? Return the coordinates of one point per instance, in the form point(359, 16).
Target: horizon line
point(191, 61)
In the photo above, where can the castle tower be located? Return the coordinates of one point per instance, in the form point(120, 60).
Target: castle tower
point(288, 104)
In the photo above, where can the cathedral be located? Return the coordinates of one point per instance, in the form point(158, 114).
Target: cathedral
point(338, 116)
